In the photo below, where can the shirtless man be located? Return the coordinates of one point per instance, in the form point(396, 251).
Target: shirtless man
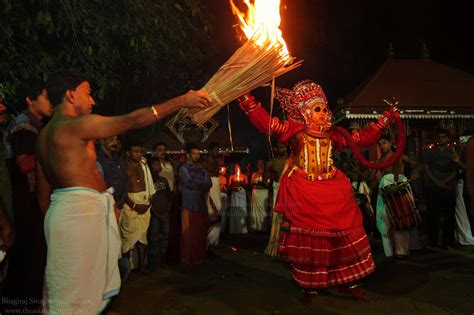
point(136, 211)
point(273, 171)
point(274, 168)
point(394, 242)
point(83, 244)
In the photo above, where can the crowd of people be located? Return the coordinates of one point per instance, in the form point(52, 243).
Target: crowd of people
point(80, 209)
point(442, 168)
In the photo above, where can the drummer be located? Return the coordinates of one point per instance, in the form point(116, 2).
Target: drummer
point(394, 242)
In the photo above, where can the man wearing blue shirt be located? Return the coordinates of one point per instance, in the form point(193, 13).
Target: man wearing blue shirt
point(194, 183)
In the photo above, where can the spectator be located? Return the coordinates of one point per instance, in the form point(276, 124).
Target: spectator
point(469, 190)
point(5, 184)
point(238, 201)
point(394, 242)
point(158, 231)
point(169, 171)
point(259, 199)
point(463, 226)
point(273, 171)
point(194, 183)
point(28, 255)
point(136, 211)
point(214, 205)
point(441, 172)
point(114, 168)
point(224, 197)
point(6, 228)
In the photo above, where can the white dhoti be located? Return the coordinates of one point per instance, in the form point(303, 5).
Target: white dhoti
point(238, 212)
point(274, 240)
point(215, 194)
point(224, 211)
point(258, 209)
point(83, 242)
point(400, 240)
point(463, 226)
point(134, 226)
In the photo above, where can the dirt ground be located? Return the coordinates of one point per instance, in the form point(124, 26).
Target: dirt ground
point(237, 278)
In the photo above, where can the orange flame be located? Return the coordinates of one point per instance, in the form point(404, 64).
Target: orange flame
point(262, 24)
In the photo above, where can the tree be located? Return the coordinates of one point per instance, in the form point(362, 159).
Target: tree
point(132, 50)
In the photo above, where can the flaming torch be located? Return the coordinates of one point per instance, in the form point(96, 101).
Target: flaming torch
point(263, 57)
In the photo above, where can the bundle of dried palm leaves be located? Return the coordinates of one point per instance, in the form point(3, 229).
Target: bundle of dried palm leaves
point(251, 66)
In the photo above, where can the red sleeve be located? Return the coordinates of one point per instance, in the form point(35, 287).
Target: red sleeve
point(283, 130)
point(367, 136)
point(361, 138)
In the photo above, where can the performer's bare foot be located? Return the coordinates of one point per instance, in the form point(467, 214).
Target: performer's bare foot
point(353, 290)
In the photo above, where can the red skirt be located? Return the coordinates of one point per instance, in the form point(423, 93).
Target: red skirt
point(326, 243)
point(320, 204)
point(320, 259)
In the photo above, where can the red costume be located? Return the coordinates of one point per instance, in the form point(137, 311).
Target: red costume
point(322, 235)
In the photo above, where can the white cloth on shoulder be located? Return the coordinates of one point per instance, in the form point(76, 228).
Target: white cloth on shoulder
point(83, 251)
point(134, 226)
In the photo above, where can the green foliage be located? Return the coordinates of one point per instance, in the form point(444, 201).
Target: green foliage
point(132, 50)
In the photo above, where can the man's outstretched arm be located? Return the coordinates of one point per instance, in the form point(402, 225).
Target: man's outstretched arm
point(99, 127)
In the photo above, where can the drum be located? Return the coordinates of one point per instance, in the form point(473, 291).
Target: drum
point(401, 207)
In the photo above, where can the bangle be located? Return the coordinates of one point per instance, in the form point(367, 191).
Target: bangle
point(155, 112)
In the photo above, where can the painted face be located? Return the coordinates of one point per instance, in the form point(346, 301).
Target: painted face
point(135, 153)
point(83, 99)
point(41, 105)
point(317, 116)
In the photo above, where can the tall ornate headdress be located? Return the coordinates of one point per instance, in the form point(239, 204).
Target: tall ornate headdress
point(304, 93)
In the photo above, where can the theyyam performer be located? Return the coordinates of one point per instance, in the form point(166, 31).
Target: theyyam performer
point(322, 236)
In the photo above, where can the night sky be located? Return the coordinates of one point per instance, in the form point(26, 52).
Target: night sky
point(343, 43)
